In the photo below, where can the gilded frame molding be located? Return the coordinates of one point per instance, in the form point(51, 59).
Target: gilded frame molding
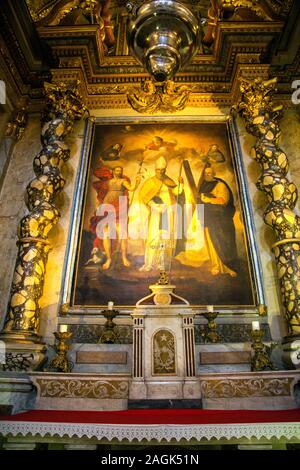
point(78, 207)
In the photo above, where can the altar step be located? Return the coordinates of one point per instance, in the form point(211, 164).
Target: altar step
point(223, 358)
point(164, 404)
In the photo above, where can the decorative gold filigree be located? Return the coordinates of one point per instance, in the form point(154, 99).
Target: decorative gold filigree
point(110, 333)
point(53, 13)
point(163, 278)
point(164, 353)
point(17, 124)
point(64, 106)
point(252, 5)
point(153, 97)
point(64, 308)
point(212, 335)
point(39, 10)
point(60, 361)
point(260, 359)
point(80, 388)
point(262, 310)
point(90, 8)
point(261, 115)
point(248, 387)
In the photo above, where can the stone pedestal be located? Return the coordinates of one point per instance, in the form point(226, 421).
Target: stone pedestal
point(163, 347)
point(17, 393)
point(267, 390)
point(22, 355)
point(80, 391)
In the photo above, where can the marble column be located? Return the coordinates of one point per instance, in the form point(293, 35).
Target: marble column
point(261, 115)
point(20, 331)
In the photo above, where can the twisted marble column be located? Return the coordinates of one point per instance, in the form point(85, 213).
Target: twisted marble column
point(261, 115)
point(64, 106)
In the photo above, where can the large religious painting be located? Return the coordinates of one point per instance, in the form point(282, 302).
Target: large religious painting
point(163, 196)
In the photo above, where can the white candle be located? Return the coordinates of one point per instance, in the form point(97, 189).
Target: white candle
point(110, 305)
point(210, 308)
point(63, 328)
point(255, 325)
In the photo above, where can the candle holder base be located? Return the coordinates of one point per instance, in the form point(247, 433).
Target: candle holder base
point(260, 360)
point(110, 334)
point(212, 336)
point(60, 362)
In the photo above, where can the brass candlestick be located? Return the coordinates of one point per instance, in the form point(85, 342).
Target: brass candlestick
point(212, 336)
point(60, 362)
point(109, 335)
point(260, 360)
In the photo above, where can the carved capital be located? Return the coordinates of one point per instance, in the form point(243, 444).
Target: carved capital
point(63, 100)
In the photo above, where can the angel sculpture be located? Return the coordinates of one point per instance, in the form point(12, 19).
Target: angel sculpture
point(144, 99)
point(174, 98)
point(152, 97)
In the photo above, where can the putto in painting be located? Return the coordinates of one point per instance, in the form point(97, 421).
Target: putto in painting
point(162, 196)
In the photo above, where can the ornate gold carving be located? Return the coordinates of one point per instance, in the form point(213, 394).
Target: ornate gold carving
point(260, 359)
point(110, 333)
point(17, 124)
point(213, 16)
point(64, 309)
point(163, 279)
point(252, 5)
point(212, 335)
point(63, 107)
point(262, 310)
point(88, 7)
point(80, 388)
point(60, 362)
point(162, 299)
point(263, 9)
point(153, 97)
point(96, 12)
point(109, 78)
point(280, 7)
point(164, 353)
point(261, 115)
point(249, 387)
point(39, 10)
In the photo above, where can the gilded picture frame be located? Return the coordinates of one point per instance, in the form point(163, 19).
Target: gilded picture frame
point(124, 142)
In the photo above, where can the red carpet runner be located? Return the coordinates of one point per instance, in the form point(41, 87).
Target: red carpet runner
point(158, 416)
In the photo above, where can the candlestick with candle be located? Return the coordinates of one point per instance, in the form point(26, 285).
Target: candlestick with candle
point(260, 358)
point(110, 333)
point(60, 362)
point(211, 336)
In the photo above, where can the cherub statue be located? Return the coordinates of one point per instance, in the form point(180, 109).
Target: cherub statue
point(144, 98)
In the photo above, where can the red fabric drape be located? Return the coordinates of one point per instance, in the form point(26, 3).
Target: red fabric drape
point(159, 416)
